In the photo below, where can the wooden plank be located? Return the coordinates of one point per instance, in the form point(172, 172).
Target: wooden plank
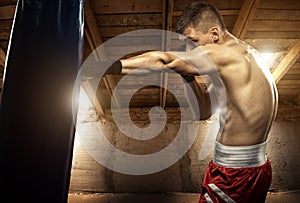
point(86, 50)
point(4, 35)
point(163, 76)
point(274, 25)
point(7, 12)
point(109, 32)
point(153, 92)
point(286, 99)
point(233, 12)
point(289, 82)
point(139, 100)
point(132, 41)
point(164, 17)
point(272, 35)
point(119, 52)
point(287, 62)
point(289, 112)
point(2, 57)
point(279, 4)
point(86, 85)
point(163, 90)
point(228, 4)
point(4, 45)
point(284, 88)
point(290, 92)
point(140, 92)
point(93, 29)
point(2, 63)
point(129, 19)
point(293, 71)
point(291, 76)
point(296, 65)
point(94, 40)
point(228, 20)
point(6, 25)
point(297, 101)
point(245, 17)
point(166, 45)
point(8, 2)
point(275, 14)
point(127, 6)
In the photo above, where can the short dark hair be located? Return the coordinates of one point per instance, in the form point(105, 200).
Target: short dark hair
point(200, 15)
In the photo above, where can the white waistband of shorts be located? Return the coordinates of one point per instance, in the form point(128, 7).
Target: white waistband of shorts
point(240, 156)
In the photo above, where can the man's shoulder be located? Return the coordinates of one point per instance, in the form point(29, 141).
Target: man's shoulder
point(226, 53)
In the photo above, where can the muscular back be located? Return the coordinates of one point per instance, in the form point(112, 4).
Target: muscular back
point(251, 94)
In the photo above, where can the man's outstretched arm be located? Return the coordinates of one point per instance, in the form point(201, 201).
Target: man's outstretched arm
point(195, 62)
point(161, 61)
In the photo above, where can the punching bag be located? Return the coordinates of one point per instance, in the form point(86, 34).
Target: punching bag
point(36, 117)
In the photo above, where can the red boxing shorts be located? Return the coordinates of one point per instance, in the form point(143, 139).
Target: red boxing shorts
point(239, 174)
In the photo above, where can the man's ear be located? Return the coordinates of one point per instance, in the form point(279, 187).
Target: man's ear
point(215, 34)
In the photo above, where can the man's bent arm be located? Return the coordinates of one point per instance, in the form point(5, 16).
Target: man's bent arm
point(202, 102)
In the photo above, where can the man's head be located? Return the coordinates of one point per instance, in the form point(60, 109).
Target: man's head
point(201, 22)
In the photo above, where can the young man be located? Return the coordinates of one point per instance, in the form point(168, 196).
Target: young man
point(240, 171)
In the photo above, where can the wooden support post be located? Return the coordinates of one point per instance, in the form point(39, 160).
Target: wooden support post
point(94, 40)
point(168, 8)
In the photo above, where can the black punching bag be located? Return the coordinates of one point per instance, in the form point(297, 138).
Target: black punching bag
point(36, 120)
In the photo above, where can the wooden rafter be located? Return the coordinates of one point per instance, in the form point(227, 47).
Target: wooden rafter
point(94, 39)
point(287, 62)
point(245, 17)
point(168, 9)
point(94, 34)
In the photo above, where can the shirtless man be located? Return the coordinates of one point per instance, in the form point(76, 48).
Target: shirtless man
point(240, 171)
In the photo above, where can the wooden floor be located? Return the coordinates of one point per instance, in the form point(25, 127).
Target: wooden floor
point(276, 197)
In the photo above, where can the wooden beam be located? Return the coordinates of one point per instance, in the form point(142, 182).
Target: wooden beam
point(245, 17)
point(168, 9)
point(287, 62)
point(93, 29)
point(86, 85)
point(169, 12)
point(94, 40)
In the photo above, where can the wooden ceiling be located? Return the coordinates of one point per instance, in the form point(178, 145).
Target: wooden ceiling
point(271, 26)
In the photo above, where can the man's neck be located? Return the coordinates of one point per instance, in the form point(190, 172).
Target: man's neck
point(224, 37)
